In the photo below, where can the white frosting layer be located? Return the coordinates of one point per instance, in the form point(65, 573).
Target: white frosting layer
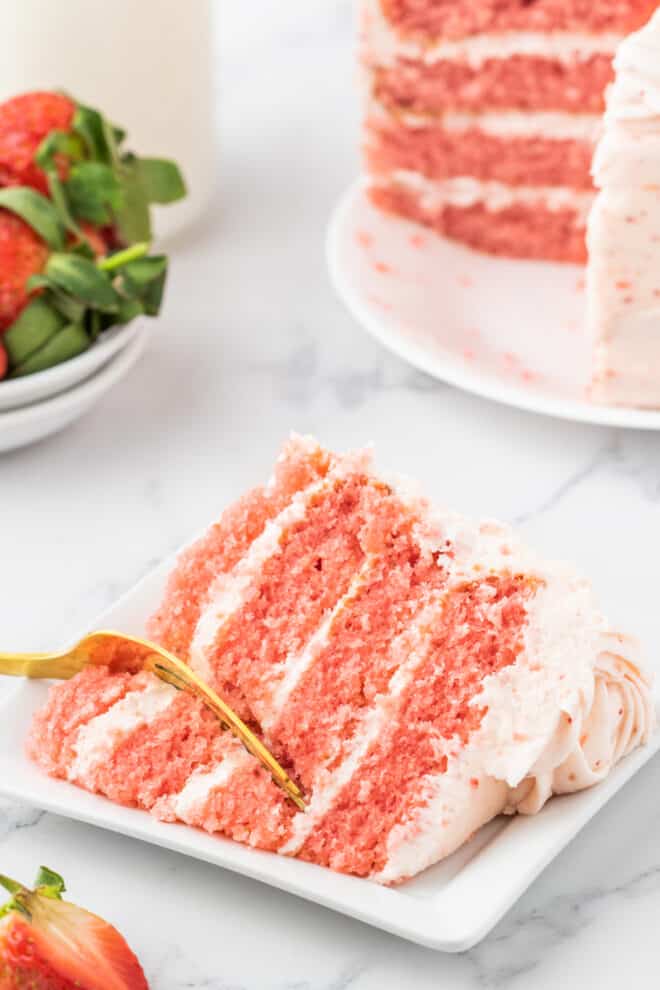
point(623, 274)
point(553, 126)
point(99, 737)
point(204, 782)
point(467, 191)
point(383, 46)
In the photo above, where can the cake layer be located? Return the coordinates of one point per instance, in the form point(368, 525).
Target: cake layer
point(441, 150)
point(459, 18)
point(523, 222)
point(520, 82)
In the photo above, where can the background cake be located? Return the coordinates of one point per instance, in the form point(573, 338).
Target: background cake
point(415, 672)
point(482, 116)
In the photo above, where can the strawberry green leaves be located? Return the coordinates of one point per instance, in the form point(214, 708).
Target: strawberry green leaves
point(38, 322)
point(145, 181)
point(102, 183)
point(79, 299)
point(80, 278)
point(37, 211)
point(65, 344)
point(49, 883)
point(133, 219)
point(143, 281)
point(93, 192)
point(97, 135)
point(161, 180)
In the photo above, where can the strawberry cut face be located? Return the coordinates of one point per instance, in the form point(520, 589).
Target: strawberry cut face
point(83, 947)
point(47, 943)
point(22, 966)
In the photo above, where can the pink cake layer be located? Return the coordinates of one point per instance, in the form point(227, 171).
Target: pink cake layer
point(521, 82)
point(517, 231)
point(471, 642)
point(226, 543)
point(438, 153)
point(459, 18)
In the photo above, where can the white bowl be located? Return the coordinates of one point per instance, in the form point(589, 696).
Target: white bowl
point(18, 392)
point(19, 427)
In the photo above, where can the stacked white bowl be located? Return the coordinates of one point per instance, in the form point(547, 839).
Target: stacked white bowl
point(37, 405)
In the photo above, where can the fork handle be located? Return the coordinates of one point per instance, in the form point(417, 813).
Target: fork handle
point(36, 665)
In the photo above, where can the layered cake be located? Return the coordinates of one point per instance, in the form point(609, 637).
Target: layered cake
point(482, 116)
point(415, 672)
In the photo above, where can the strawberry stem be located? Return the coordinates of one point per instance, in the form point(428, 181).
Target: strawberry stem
point(11, 885)
point(131, 253)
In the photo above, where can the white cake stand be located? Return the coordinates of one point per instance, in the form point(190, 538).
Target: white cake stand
point(512, 331)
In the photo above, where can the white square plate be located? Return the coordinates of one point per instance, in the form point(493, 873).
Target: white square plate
point(450, 907)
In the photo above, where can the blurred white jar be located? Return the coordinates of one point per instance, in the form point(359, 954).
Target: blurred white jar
point(147, 64)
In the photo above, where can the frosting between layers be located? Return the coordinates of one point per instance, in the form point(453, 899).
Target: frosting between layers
point(623, 238)
point(383, 46)
point(555, 126)
point(203, 782)
point(466, 191)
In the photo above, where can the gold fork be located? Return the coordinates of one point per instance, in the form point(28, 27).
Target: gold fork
point(121, 652)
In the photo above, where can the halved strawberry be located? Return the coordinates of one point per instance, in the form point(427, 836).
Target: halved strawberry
point(49, 944)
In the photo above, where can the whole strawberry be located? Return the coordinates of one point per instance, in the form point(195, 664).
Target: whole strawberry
point(22, 254)
point(47, 943)
point(24, 123)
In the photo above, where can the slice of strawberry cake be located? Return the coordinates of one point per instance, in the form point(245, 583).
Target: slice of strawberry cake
point(417, 674)
point(482, 116)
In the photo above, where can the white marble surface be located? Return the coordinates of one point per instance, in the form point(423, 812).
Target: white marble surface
point(252, 345)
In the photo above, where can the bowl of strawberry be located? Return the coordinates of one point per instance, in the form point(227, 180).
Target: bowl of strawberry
point(76, 265)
